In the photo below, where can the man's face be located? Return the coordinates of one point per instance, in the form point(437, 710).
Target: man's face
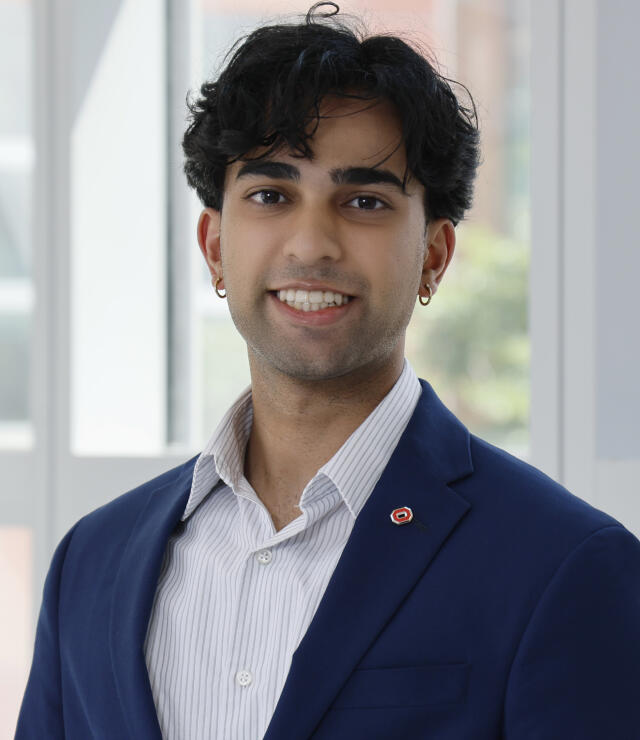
point(303, 229)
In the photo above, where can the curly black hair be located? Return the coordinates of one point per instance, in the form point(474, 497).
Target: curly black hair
point(269, 95)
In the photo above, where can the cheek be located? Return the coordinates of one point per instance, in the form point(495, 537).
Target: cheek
point(403, 267)
point(246, 272)
point(235, 254)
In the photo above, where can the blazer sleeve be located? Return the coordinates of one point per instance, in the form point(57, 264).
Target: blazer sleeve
point(576, 672)
point(41, 712)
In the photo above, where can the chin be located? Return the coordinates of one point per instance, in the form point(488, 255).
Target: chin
point(312, 371)
point(306, 369)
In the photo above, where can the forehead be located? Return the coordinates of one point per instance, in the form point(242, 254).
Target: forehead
point(349, 133)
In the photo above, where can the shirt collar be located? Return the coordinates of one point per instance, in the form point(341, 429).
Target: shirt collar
point(223, 456)
point(354, 469)
point(358, 464)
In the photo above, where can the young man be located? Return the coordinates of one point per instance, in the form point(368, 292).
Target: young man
point(343, 560)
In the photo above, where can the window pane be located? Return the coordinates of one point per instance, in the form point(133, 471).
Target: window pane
point(118, 227)
point(15, 207)
point(226, 370)
point(16, 164)
point(15, 57)
point(471, 342)
point(14, 360)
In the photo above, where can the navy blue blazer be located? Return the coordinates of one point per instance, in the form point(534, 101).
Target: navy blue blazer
point(507, 608)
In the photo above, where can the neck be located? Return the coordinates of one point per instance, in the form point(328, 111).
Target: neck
point(299, 425)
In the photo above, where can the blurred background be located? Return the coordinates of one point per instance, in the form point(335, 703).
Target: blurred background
point(111, 336)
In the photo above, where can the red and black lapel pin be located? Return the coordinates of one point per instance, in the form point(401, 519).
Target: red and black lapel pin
point(404, 515)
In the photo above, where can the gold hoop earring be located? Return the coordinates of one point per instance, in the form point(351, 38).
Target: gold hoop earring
point(218, 293)
point(428, 301)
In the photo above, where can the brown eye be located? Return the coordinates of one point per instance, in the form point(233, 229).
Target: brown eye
point(266, 197)
point(368, 203)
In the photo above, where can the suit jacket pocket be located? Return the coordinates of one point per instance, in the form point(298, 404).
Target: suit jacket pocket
point(414, 686)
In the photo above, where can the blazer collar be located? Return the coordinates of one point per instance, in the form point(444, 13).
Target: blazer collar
point(362, 594)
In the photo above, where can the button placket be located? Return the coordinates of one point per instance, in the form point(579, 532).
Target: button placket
point(244, 677)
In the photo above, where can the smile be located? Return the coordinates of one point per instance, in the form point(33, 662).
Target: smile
point(311, 300)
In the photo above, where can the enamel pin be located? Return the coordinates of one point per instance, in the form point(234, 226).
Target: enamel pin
point(403, 515)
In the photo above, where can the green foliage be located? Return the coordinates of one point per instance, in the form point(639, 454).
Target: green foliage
point(472, 343)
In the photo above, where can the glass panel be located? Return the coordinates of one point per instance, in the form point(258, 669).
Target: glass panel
point(226, 370)
point(14, 360)
point(16, 638)
point(471, 342)
point(16, 164)
point(118, 224)
point(15, 58)
point(15, 209)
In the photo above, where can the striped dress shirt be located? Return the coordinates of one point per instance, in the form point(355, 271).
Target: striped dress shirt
point(234, 597)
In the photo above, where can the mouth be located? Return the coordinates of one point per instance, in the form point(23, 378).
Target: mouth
point(312, 308)
point(311, 300)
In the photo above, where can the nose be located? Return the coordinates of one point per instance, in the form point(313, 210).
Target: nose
point(313, 237)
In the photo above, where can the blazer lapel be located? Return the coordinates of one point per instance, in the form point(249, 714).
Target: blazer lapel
point(133, 596)
point(364, 592)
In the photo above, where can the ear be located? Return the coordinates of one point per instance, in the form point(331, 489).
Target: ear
point(441, 243)
point(209, 241)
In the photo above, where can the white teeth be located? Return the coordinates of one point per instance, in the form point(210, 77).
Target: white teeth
point(311, 300)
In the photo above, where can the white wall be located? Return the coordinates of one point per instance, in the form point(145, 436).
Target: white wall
point(617, 263)
point(617, 232)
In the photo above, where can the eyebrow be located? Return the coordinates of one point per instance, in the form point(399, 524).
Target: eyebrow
point(339, 175)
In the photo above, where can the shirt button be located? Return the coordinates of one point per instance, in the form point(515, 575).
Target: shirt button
point(264, 557)
point(244, 678)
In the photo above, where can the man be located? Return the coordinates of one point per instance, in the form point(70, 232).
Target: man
point(343, 560)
